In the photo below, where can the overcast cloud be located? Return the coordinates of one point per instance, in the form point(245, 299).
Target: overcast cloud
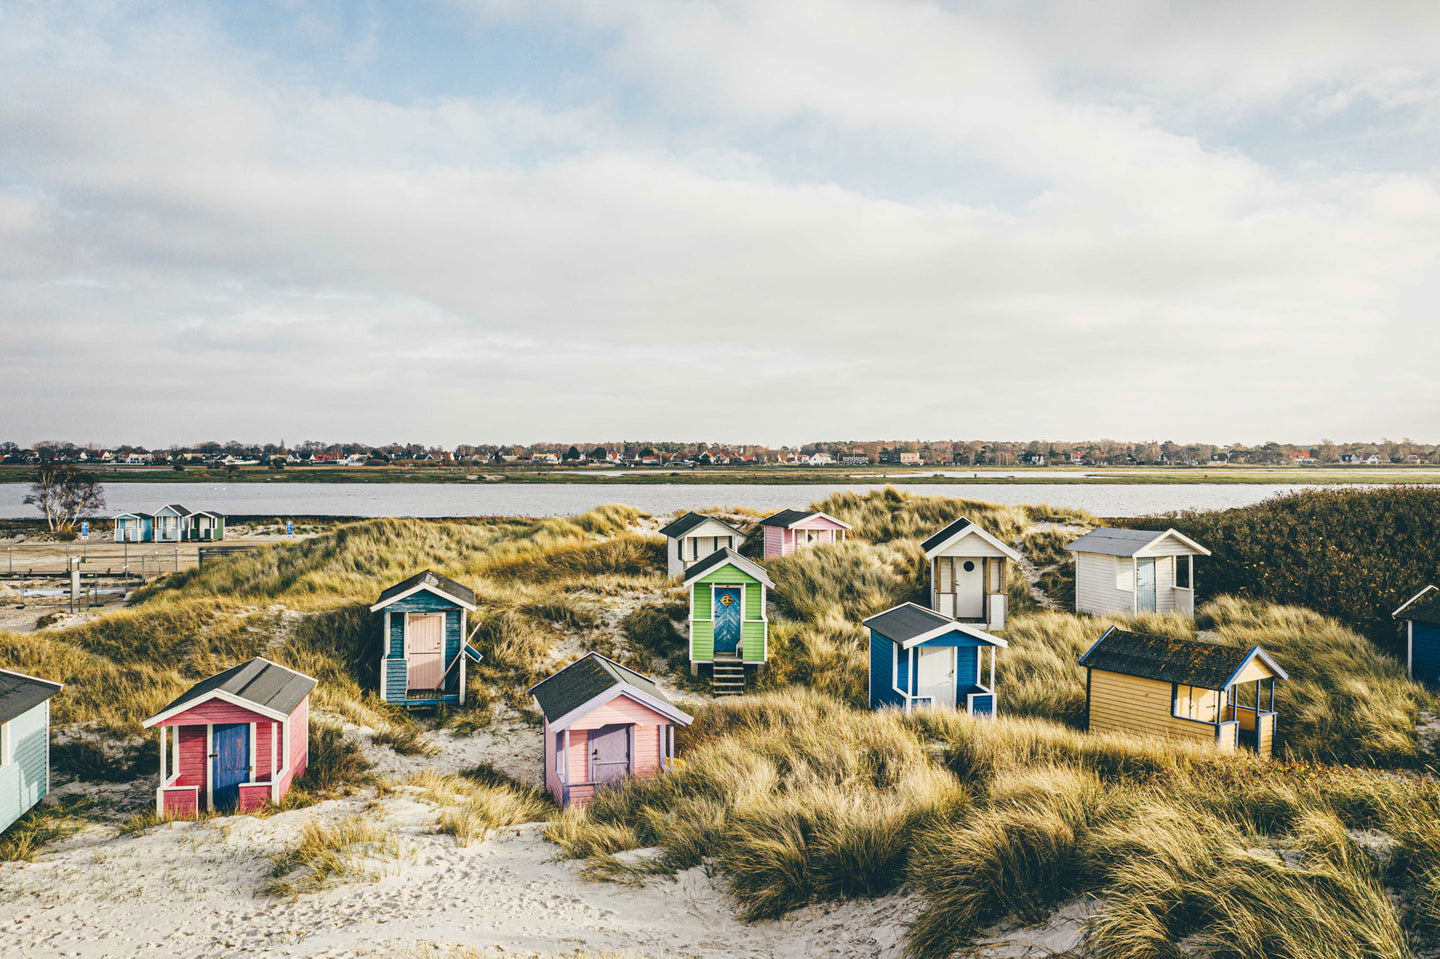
point(764, 221)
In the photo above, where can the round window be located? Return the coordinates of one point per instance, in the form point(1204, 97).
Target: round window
point(969, 566)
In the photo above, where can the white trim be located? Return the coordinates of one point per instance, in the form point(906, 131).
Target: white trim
point(614, 692)
point(209, 768)
point(1407, 604)
point(1011, 553)
point(692, 576)
point(6, 747)
point(221, 695)
point(464, 640)
point(274, 765)
point(427, 587)
point(964, 628)
point(384, 655)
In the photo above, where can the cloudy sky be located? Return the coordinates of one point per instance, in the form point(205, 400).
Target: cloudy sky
point(766, 221)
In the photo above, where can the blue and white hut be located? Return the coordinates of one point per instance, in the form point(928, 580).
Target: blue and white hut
point(1421, 616)
point(920, 658)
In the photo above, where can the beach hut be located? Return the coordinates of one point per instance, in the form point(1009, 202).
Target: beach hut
point(235, 741)
point(133, 527)
point(206, 527)
point(792, 529)
point(1421, 616)
point(968, 574)
point(1135, 571)
point(919, 658)
point(1182, 688)
point(603, 723)
point(24, 743)
point(693, 537)
point(170, 524)
point(728, 624)
point(424, 649)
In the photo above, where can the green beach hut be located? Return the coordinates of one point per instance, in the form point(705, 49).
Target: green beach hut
point(728, 625)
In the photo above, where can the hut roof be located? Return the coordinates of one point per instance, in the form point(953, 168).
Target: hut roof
point(689, 521)
point(590, 678)
point(1423, 607)
point(963, 526)
point(1128, 542)
point(787, 518)
point(255, 684)
point(1193, 662)
point(727, 556)
point(910, 625)
point(176, 507)
point(427, 580)
point(20, 693)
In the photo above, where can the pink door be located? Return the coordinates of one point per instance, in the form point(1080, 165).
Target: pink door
point(425, 637)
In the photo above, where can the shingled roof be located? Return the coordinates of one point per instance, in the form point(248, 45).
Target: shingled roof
point(787, 517)
point(910, 622)
point(959, 526)
point(267, 686)
point(1193, 662)
point(727, 555)
point(689, 521)
point(592, 676)
point(1127, 542)
point(20, 693)
point(1423, 607)
point(430, 580)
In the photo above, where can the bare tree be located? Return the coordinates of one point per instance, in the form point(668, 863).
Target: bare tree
point(64, 494)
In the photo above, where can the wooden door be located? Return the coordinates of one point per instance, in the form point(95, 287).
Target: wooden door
point(609, 753)
point(935, 675)
point(969, 589)
point(425, 650)
point(232, 764)
point(1145, 585)
point(729, 619)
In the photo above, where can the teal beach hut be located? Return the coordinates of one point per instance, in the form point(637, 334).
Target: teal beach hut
point(24, 743)
point(728, 625)
point(423, 649)
point(922, 659)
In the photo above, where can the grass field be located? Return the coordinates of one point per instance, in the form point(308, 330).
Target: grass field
point(796, 794)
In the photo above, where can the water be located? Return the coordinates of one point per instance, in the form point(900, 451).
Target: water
point(556, 499)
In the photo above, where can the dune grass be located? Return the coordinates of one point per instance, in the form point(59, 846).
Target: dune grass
point(481, 800)
point(328, 853)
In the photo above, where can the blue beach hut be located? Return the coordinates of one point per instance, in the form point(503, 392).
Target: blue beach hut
point(921, 658)
point(423, 650)
point(1421, 616)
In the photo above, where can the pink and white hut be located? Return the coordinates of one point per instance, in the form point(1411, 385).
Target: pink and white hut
point(792, 529)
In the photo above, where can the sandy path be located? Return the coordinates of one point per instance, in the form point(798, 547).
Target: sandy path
point(188, 889)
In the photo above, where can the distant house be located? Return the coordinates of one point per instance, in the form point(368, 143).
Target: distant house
point(233, 742)
point(24, 743)
point(1185, 689)
point(1132, 571)
point(729, 627)
point(919, 658)
point(1077, 458)
point(1302, 458)
point(969, 574)
point(901, 458)
point(1033, 459)
point(792, 529)
point(424, 649)
point(603, 724)
point(854, 459)
point(693, 537)
point(136, 459)
point(1421, 616)
point(821, 459)
point(133, 527)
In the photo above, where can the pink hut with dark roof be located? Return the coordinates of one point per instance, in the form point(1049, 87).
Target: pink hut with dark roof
point(603, 724)
point(792, 529)
point(235, 741)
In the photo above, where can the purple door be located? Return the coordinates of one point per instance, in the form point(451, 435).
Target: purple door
point(609, 753)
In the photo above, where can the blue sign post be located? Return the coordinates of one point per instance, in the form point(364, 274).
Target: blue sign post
point(289, 527)
point(85, 529)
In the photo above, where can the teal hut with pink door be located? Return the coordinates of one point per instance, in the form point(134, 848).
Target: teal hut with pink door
point(423, 647)
point(729, 628)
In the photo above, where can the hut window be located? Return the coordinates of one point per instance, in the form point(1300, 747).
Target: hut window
point(969, 566)
point(1182, 572)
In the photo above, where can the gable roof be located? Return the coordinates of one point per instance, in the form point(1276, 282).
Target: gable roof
point(593, 680)
point(787, 518)
point(911, 624)
point(725, 556)
point(963, 527)
point(20, 693)
point(137, 515)
point(430, 581)
point(1193, 662)
point(1128, 542)
point(175, 507)
point(257, 684)
point(691, 520)
point(1423, 607)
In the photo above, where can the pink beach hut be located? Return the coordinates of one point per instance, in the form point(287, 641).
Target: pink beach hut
point(792, 529)
point(604, 724)
point(235, 741)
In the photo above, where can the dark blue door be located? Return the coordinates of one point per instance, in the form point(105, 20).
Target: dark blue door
point(728, 617)
point(232, 763)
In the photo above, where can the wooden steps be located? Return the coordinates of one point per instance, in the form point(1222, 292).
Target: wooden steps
point(727, 677)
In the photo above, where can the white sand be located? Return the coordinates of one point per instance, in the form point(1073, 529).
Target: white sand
point(188, 889)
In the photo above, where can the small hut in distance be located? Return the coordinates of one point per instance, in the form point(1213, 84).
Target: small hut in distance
point(695, 536)
point(969, 573)
point(792, 529)
point(1183, 689)
point(1131, 571)
point(423, 642)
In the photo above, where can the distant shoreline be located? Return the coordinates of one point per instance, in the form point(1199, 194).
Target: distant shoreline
point(837, 476)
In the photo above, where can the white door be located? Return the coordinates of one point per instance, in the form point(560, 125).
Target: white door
point(935, 675)
point(969, 589)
